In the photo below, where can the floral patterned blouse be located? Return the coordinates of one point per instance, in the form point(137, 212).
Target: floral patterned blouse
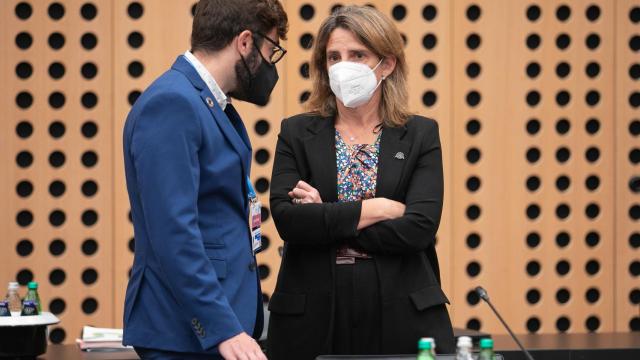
point(357, 169)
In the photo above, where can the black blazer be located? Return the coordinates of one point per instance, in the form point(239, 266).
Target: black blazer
point(409, 171)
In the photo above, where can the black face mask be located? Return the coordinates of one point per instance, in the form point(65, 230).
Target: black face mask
point(255, 88)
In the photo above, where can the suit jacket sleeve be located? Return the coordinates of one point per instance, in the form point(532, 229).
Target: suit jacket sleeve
point(164, 147)
point(416, 229)
point(309, 224)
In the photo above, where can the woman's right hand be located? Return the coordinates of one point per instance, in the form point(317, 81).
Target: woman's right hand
point(379, 209)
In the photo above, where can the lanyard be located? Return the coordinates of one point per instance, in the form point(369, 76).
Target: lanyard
point(250, 190)
point(255, 218)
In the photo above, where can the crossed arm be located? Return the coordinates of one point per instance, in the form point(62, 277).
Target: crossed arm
point(376, 225)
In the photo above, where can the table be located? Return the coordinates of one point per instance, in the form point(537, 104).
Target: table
point(612, 346)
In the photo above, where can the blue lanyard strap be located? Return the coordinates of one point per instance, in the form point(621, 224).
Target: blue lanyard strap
point(250, 190)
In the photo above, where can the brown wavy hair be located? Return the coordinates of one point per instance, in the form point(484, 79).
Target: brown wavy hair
point(381, 37)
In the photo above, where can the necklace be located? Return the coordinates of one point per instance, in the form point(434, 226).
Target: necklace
point(352, 138)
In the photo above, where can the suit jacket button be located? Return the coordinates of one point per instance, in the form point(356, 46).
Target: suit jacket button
point(252, 266)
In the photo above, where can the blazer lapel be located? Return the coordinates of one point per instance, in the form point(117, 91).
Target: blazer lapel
point(394, 151)
point(320, 147)
point(224, 123)
point(241, 130)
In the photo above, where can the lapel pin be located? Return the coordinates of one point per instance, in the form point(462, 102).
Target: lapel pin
point(399, 156)
point(209, 102)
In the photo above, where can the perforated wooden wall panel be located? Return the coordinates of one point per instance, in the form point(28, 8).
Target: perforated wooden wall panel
point(627, 157)
point(58, 157)
point(548, 182)
point(537, 102)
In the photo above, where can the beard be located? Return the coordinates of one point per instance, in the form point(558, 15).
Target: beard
point(243, 76)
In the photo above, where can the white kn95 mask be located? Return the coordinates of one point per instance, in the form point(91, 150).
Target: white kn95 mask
point(353, 83)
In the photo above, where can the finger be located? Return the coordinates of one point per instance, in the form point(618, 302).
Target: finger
point(237, 351)
point(257, 351)
point(240, 353)
point(299, 193)
point(249, 354)
point(243, 355)
point(228, 355)
point(225, 355)
point(304, 186)
point(258, 355)
point(290, 193)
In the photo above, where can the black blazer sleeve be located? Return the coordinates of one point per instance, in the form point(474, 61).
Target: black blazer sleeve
point(416, 229)
point(310, 224)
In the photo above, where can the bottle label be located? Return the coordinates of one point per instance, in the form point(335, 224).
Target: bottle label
point(29, 309)
point(4, 309)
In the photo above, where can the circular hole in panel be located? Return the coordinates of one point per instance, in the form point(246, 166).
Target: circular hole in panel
point(56, 11)
point(89, 306)
point(24, 247)
point(533, 296)
point(563, 267)
point(23, 10)
point(88, 11)
point(429, 12)
point(135, 10)
point(57, 218)
point(57, 277)
point(57, 335)
point(89, 247)
point(24, 218)
point(24, 188)
point(24, 129)
point(24, 276)
point(57, 188)
point(592, 295)
point(563, 239)
point(473, 240)
point(23, 40)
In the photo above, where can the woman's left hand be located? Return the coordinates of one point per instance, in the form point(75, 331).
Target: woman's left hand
point(304, 193)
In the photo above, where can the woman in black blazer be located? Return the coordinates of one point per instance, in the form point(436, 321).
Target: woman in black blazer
point(356, 195)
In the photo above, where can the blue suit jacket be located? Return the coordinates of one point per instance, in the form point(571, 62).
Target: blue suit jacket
point(194, 282)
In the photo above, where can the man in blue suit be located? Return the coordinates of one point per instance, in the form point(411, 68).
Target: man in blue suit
point(194, 292)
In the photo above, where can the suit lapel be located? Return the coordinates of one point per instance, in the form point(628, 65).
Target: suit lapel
point(394, 151)
point(233, 136)
point(320, 147)
point(241, 146)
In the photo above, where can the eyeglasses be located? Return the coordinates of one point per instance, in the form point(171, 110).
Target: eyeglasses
point(277, 52)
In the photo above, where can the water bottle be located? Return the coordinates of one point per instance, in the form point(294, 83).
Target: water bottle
point(13, 298)
point(464, 348)
point(425, 349)
point(486, 350)
point(32, 295)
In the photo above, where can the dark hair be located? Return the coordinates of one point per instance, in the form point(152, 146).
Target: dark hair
point(217, 22)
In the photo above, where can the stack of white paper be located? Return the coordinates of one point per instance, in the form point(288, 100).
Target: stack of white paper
point(101, 338)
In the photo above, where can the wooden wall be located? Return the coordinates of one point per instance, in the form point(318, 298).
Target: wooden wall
point(537, 101)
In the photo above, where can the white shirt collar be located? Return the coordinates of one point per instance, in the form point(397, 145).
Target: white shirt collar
point(208, 79)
